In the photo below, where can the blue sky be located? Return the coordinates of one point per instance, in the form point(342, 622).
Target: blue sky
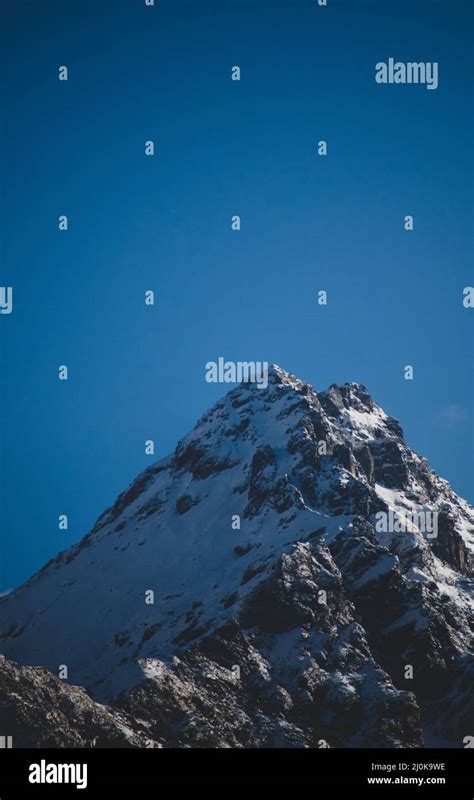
point(163, 223)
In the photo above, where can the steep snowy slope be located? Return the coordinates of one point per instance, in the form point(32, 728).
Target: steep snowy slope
point(319, 611)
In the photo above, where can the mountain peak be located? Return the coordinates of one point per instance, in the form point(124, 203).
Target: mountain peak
point(277, 374)
point(216, 556)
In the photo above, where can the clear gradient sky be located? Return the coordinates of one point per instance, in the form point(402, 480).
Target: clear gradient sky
point(163, 223)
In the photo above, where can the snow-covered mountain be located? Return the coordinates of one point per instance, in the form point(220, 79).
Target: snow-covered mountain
point(282, 615)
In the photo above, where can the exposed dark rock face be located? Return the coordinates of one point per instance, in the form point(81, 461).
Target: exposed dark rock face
point(450, 546)
point(185, 503)
point(390, 463)
point(242, 593)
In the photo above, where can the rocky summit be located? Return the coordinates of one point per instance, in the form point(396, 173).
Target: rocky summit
point(243, 593)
